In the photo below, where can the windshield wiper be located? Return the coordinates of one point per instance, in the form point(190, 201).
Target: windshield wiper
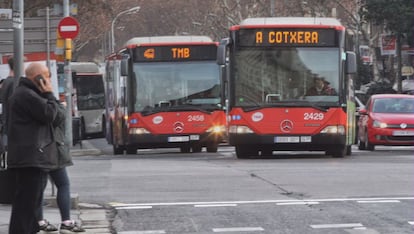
point(153, 110)
point(297, 103)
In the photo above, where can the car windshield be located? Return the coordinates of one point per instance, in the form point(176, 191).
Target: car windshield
point(393, 105)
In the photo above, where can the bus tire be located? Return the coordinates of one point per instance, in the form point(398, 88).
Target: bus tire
point(246, 151)
point(185, 149)
point(116, 148)
point(196, 148)
point(82, 129)
point(103, 133)
point(212, 148)
point(340, 152)
point(131, 150)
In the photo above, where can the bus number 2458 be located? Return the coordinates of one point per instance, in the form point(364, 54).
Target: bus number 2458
point(194, 118)
point(313, 116)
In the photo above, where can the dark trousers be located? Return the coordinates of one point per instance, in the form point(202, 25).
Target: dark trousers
point(30, 183)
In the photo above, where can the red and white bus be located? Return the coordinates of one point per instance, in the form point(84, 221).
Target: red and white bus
point(272, 63)
point(165, 91)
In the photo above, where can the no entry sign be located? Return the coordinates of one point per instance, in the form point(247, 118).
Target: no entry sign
point(68, 28)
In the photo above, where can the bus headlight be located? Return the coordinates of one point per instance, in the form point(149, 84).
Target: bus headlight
point(378, 124)
point(240, 129)
point(138, 131)
point(340, 129)
point(218, 129)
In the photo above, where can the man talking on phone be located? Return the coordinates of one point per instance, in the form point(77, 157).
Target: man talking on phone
point(31, 147)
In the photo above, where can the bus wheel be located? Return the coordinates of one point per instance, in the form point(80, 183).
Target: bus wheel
point(83, 129)
point(245, 151)
point(185, 149)
point(103, 126)
point(212, 148)
point(197, 148)
point(131, 150)
point(339, 153)
point(117, 149)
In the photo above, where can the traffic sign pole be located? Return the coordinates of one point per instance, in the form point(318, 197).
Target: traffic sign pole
point(68, 29)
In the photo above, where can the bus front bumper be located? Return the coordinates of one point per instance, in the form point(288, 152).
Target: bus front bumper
point(167, 141)
point(318, 142)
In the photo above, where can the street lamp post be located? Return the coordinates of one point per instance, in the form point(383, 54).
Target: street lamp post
point(113, 24)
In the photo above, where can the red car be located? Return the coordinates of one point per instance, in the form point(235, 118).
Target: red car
point(387, 119)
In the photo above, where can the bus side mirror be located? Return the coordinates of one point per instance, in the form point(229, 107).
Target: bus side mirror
point(222, 51)
point(351, 64)
point(124, 67)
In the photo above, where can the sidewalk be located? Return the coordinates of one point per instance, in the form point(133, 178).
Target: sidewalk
point(92, 217)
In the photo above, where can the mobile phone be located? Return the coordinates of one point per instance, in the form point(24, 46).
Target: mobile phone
point(39, 79)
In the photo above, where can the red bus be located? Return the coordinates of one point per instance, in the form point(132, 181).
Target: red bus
point(165, 91)
point(272, 65)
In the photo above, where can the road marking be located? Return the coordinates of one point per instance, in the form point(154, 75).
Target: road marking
point(411, 222)
point(238, 229)
point(337, 225)
point(118, 204)
point(143, 232)
point(215, 205)
point(296, 203)
point(380, 201)
point(133, 207)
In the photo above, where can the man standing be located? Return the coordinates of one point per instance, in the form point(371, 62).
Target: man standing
point(31, 145)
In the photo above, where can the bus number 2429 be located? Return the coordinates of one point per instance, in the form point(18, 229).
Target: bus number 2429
point(313, 116)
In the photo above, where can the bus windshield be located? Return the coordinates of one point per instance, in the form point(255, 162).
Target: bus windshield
point(90, 92)
point(166, 85)
point(286, 76)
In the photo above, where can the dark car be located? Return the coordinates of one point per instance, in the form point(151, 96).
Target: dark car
point(387, 119)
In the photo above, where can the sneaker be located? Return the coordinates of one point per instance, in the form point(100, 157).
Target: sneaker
point(73, 227)
point(47, 227)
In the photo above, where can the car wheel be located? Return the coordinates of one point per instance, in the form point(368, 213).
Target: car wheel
point(368, 145)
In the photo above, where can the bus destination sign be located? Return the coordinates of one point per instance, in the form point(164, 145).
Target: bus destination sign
point(287, 37)
point(175, 53)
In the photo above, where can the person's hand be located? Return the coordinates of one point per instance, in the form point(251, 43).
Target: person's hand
point(45, 85)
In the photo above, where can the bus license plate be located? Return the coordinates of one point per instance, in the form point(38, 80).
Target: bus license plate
point(178, 139)
point(403, 133)
point(287, 139)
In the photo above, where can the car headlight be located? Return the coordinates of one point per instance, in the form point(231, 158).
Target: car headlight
point(340, 129)
point(240, 129)
point(379, 124)
point(138, 131)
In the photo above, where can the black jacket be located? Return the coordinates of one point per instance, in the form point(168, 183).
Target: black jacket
point(64, 157)
point(31, 142)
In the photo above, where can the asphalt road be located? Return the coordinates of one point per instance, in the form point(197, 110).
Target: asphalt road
point(165, 191)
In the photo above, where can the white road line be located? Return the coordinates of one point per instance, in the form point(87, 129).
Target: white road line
point(143, 232)
point(238, 229)
point(215, 205)
point(411, 222)
point(337, 225)
point(380, 201)
point(296, 203)
point(133, 207)
point(118, 204)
